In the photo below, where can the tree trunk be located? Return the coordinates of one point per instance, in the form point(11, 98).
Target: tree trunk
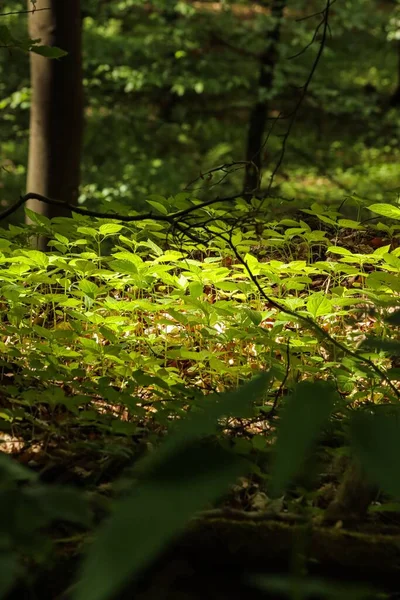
point(56, 119)
point(259, 113)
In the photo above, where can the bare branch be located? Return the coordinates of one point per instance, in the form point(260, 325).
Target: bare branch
point(325, 30)
point(312, 324)
point(125, 218)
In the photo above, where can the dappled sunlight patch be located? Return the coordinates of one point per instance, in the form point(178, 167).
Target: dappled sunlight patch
point(11, 444)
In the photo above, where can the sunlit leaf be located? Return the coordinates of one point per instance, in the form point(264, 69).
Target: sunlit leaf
point(88, 231)
point(39, 258)
point(338, 250)
point(386, 210)
point(156, 249)
point(318, 305)
point(110, 228)
point(349, 224)
point(124, 266)
point(88, 287)
point(195, 289)
point(61, 238)
point(49, 51)
point(392, 260)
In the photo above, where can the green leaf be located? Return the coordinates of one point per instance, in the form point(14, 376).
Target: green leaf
point(61, 238)
point(9, 571)
point(227, 286)
point(237, 403)
point(70, 303)
point(195, 289)
point(49, 51)
point(178, 316)
point(379, 279)
point(382, 250)
point(394, 318)
point(39, 258)
point(254, 315)
point(386, 507)
point(124, 266)
point(392, 261)
point(110, 228)
point(339, 250)
point(4, 244)
point(176, 481)
point(318, 304)
point(88, 287)
point(386, 210)
point(349, 224)
point(393, 374)
point(289, 222)
point(376, 441)
point(156, 249)
point(88, 231)
point(376, 344)
point(143, 523)
point(171, 255)
point(326, 219)
point(42, 332)
point(307, 410)
point(37, 218)
point(191, 354)
point(63, 504)
point(5, 35)
point(158, 206)
point(12, 471)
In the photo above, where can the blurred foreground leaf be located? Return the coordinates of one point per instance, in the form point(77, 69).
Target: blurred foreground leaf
point(177, 481)
point(306, 412)
point(376, 441)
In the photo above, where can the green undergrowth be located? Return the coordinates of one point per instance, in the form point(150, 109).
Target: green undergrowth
point(122, 332)
point(111, 323)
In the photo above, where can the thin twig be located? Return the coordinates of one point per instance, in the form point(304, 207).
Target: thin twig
point(23, 12)
point(283, 382)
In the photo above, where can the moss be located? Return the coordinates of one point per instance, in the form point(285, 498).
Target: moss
point(254, 544)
